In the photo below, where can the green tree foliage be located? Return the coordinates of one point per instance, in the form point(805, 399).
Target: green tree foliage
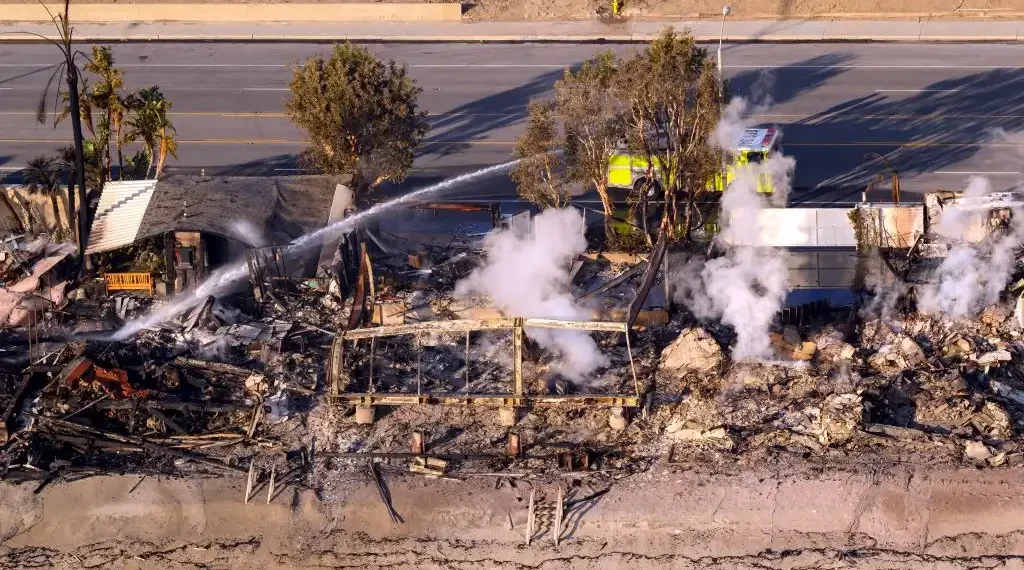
point(592, 119)
point(540, 173)
point(148, 122)
point(359, 114)
point(664, 102)
point(674, 101)
point(43, 175)
point(106, 94)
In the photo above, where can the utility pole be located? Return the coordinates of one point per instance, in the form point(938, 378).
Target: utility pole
point(721, 86)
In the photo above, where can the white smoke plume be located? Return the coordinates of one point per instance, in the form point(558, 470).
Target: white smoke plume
point(886, 286)
point(746, 287)
point(526, 274)
point(974, 273)
point(248, 234)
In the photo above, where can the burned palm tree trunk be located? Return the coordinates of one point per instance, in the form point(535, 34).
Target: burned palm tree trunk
point(79, 173)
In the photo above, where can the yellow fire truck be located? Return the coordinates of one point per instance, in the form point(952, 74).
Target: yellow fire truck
point(626, 171)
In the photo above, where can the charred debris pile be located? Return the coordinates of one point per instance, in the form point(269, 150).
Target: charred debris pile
point(387, 355)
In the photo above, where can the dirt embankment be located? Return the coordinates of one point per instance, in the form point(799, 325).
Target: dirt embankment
point(540, 10)
point(900, 519)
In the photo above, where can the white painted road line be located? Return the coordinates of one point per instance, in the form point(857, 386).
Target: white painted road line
point(972, 173)
point(531, 66)
point(266, 89)
point(916, 90)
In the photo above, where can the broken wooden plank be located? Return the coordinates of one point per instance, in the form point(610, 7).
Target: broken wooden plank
point(615, 281)
point(530, 513)
point(385, 496)
point(199, 314)
point(135, 440)
point(457, 325)
point(363, 284)
point(556, 528)
point(270, 486)
point(466, 325)
point(653, 265)
point(596, 326)
point(5, 422)
point(171, 424)
point(249, 480)
point(213, 366)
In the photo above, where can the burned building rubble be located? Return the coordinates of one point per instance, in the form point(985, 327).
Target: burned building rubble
point(366, 348)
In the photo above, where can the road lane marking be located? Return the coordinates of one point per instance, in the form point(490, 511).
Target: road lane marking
point(16, 65)
point(259, 142)
point(916, 90)
point(278, 115)
point(911, 144)
point(266, 89)
point(978, 173)
point(896, 66)
point(522, 114)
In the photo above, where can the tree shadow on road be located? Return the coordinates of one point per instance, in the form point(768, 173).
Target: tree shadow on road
point(457, 129)
point(947, 122)
point(36, 71)
point(8, 176)
point(787, 82)
point(280, 165)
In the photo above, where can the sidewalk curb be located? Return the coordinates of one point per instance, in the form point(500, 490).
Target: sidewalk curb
point(540, 38)
point(523, 32)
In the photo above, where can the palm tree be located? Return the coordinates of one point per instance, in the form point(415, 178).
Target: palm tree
point(107, 96)
point(43, 176)
point(148, 122)
point(168, 145)
point(68, 69)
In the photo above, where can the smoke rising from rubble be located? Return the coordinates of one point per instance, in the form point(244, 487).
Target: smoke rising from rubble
point(972, 275)
point(228, 277)
point(526, 273)
point(886, 286)
point(746, 287)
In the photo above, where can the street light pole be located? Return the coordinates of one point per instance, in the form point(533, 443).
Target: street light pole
point(721, 90)
point(721, 35)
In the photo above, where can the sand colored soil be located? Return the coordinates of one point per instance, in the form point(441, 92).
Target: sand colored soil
point(511, 10)
point(897, 519)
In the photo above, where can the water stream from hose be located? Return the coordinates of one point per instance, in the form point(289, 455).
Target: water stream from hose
point(225, 278)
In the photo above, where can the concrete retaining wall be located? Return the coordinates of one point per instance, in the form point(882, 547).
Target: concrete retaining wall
point(113, 13)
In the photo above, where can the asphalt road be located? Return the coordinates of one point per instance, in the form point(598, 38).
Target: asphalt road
point(938, 113)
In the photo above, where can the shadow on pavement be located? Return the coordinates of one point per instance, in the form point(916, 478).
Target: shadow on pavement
point(457, 129)
point(785, 83)
point(8, 176)
point(37, 71)
point(280, 165)
point(925, 131)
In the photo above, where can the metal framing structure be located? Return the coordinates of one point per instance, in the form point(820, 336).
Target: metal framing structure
point(518, 398)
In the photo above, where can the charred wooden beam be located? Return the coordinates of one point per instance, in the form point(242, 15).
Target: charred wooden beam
point(6, 422)
point(138, 441)
point(653, 265)
point(465, 325)
point(615, 281)
point(491, 400)
point(214, 366)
